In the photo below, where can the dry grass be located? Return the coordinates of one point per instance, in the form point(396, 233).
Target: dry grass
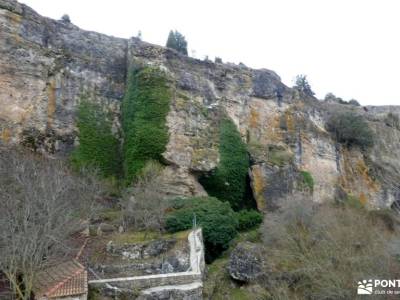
point(133, 237)
point(321, 251)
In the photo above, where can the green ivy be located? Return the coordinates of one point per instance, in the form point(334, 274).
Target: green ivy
point(216, 218)
point(144, 111)
point(228, 181)
point(307, 180)
point(98, 147)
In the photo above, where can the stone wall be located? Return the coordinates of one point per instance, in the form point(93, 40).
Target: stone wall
point(194, 274)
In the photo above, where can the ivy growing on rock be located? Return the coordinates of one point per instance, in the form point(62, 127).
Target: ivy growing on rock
point(307, 181)
point(144, 111)
point(228, 181)
point(98, 147)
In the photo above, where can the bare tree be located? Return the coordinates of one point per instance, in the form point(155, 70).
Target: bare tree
point(302, 85)
point(144, 204)
point(41, 205)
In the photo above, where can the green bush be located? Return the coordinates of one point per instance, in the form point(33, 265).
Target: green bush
point(248, 219)
point(307, 181)
point(98, 147)
point(144, 111)
point(392, 120)
point(228, 182)
point(216, 218)
point(351, 129)
point(354, 102)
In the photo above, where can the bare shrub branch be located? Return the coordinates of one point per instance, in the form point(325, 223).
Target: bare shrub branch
point(144, 204)
point(320, 251)
point(41, 205)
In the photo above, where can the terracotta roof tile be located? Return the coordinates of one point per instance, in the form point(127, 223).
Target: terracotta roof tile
point(66, 279)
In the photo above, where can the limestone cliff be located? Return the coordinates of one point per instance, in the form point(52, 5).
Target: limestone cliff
point(47, 65)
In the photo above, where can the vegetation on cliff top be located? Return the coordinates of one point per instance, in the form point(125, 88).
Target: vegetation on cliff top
point(177, 41)
point(330, 97)
point(144, 111)
point(302, 85)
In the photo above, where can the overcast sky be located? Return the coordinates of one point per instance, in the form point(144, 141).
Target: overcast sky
point(348, 47)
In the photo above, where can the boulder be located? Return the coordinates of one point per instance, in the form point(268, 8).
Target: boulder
point(246, 262)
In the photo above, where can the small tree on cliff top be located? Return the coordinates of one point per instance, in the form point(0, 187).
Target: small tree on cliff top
point(177, 41)
point(303, 85)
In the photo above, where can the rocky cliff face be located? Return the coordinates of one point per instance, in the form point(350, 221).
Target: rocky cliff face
point(47, 65)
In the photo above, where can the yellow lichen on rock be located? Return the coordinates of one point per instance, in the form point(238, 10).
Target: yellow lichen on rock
point(5, 135)
point(273, 133)
point(254, 118)
point(364, 173)
point(259, 185)
point(363, 198)
point(15, 20)
point(355, 177)
point(289, 119)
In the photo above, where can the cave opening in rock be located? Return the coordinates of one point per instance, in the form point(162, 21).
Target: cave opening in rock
point(249, 202)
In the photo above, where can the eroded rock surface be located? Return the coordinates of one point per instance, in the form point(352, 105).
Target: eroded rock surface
point(246, 262)
point(46, 66)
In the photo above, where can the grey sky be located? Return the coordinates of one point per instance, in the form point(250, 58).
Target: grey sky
point(348, 47)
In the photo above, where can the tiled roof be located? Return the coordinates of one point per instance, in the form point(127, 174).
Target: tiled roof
point(5, 289)
point(65, 279)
